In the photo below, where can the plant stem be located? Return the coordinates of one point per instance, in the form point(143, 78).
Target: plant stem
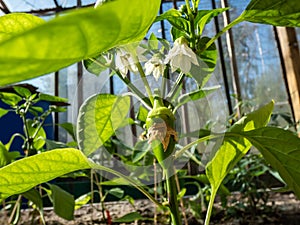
point(211, 41)
point(188, 146)
point(145, 81)
point(210, 207)
point(172, 195)
point(129, 85)
point(135, 90)
point(192, 24)
point(176, 86)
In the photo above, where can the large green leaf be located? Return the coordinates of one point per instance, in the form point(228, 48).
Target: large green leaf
point(98, 119)
point(15, 23)
point(234, 148)
point(281, 148)
point(74, 36)
point(274, 12)
point(26, 173)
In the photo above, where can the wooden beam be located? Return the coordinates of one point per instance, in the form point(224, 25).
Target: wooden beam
point(291, 62)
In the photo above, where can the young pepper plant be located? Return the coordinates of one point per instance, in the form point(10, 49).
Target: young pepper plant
point(191, 57)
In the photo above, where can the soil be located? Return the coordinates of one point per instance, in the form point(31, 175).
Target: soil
point(283, 209)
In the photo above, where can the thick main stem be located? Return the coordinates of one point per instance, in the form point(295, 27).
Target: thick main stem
point(172, 195)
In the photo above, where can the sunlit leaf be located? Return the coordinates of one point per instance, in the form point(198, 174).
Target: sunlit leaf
point(51, 98)
point(3, 112)
point(4, 159)
point(71, 37)
point(28, 172)
point(22, 91)
point(274, 12)
point(82, 200)
point(15, 23)
point(38, 134)
point(235, 147)
point(11, 99)
point(99, 117)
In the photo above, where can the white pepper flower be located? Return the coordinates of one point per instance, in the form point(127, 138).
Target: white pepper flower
point(124, 62)
point(181, 56)
point(155, 65)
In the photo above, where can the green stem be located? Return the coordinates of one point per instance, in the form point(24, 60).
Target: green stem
point(211, 41)
point(136, 91)
point(188, 146)
point(176, 86)
point(131, 181)
point(192, 24)
point(165, 81)
point(172, 195)
point(128, 84)
point(145, 81)
point(210, 207)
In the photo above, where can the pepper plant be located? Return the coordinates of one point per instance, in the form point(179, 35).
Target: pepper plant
point(30, 47)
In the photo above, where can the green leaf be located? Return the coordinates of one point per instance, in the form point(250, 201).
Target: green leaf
point(175, 19)
point(130, 217)
point(70, 128)
point(115, 182)
point(23, 92)
point(140, 150)
point(51, 98)
point(11, 99)
point(4, 158)
point(40, 134)
point(153, 42)
point(63, 202)
point(281, 148)
point(274, 12)
point(195, 95)
point(117, 192)
point(28, 172)
point(3, 112)
point(82, 200)
point(204, 17)
point(15, 23)
point(142, 114)
point(50, 144)
point(49, 46)
point(234, 148)
point(34, 196)
point(207, 62)
point(98, 118)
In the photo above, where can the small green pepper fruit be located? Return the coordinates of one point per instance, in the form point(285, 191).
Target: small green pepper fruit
point(161, 134)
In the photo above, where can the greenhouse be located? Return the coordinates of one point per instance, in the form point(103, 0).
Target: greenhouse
point(161, 112)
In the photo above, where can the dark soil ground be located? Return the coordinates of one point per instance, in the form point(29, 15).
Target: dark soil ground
point(283, 209)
